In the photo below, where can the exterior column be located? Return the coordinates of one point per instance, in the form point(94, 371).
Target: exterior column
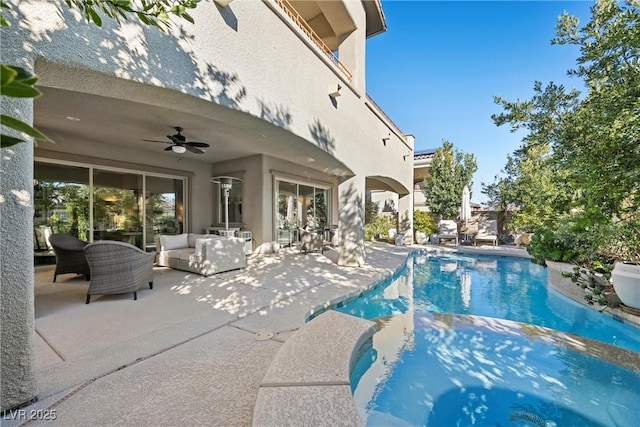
point(352, 48)
point(351, 194)
point(405, 218)
point(18, 378)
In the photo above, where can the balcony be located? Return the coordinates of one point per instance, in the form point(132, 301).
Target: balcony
point(313, 37)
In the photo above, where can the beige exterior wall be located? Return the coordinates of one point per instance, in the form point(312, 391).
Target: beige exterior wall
point(241, 66)
point(224, 55)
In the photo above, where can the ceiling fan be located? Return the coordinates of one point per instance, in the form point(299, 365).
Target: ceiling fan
point(179, 143)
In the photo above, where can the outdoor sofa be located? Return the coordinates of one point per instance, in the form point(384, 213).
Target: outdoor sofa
point(204, 254)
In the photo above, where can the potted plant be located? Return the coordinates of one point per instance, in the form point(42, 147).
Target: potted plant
point(606, 255)
point(625, 277)
point(423, 226)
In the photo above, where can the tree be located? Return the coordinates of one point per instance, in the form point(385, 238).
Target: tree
point(534, 183)
point(582, 151)
point(600, 145)
point(499, 197)
point(450, 172)
point(19, 83)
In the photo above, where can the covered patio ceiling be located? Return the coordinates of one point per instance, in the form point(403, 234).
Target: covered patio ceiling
point(124, 124)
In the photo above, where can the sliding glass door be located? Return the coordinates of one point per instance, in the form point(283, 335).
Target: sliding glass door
point(164, 207)
point(60, 201)
point(300, 206)
point(94, 203)
point(117, 206)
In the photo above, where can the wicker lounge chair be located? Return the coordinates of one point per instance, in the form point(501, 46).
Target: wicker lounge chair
point(118, 268)
point(69, 255)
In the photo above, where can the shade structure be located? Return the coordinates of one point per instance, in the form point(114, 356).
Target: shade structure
point(465, 207)
point(225, 182)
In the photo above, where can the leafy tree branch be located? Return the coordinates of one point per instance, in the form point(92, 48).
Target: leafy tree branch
point(18, 83)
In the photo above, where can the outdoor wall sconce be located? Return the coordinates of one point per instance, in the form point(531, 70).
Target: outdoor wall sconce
point(226, 182)
point(334, 90)
point(222, 3)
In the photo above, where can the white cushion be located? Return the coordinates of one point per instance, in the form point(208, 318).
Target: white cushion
point(193, 237)
point(178, 241)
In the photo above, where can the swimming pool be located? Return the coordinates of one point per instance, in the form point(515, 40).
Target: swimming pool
point(472, 368)
point(502, 287)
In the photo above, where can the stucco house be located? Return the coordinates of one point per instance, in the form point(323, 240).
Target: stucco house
point(276, 89)
point(388, 200)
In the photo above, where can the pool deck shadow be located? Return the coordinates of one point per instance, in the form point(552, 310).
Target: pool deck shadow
point(197, 350)
point(190, 351)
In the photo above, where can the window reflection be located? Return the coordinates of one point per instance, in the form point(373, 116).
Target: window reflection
point(117, 206)
point(164, 208)
point(127, 206)
point(301, 206)
point(61, 200)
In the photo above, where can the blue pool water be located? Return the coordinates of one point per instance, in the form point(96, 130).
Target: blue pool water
point(470, 368)
point(502, 287)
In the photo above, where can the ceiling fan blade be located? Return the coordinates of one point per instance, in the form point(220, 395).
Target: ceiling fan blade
point(177, 139)
point(194, 149)
point(153, 140)
point(169, 148)
point(197, 144)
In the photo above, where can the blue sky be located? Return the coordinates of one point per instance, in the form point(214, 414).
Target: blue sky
point(439, 64)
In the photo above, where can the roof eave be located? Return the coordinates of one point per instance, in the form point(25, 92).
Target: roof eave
point(376, 23)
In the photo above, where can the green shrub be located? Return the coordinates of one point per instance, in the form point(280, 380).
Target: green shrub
point(379, 228)
point(370, 211)
point(423, 221)
point(589, 244)
point(593, 246)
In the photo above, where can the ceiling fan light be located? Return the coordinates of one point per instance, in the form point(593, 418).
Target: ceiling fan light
point(178, 149)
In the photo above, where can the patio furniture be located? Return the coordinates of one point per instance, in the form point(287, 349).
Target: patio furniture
point(287, 237)
point(41, 236)
point(69, 255)
point(448, 230)
point(487, 231)
point(311, 240)
point(204, 254)
point(118, 268)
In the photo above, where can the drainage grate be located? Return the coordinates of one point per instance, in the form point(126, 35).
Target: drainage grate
point(263, 336)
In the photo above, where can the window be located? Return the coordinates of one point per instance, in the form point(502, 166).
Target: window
point(301, 205)
point(112, 205)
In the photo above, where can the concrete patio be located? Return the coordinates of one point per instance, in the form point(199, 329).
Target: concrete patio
point(192, 350)
point(186, 352)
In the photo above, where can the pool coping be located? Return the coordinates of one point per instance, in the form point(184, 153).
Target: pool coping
point(308, 382)
point(567, 287)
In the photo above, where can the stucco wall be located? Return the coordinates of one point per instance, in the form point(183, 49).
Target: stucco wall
point(243, 49)
point(258, 174)
point(17, 360)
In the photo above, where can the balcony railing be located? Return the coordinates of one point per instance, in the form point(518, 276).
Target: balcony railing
point(381, 112)
point(308, 31)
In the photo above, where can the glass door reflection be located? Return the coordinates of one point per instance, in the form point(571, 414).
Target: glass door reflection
point(117, 206)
